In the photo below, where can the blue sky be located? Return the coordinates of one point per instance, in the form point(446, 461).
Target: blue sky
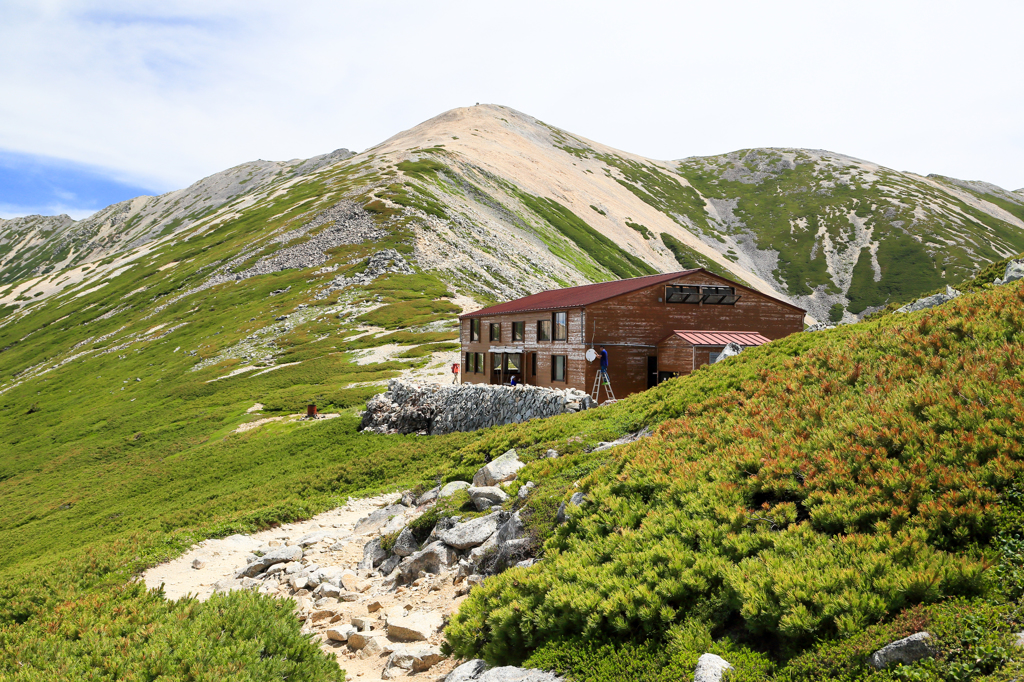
point(32, 184)
point(106, 99)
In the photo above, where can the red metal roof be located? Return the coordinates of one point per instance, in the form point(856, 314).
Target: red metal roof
point(714, 338)
point(576, 297)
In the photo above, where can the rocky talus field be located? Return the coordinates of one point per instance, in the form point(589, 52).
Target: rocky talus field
point(842, 504)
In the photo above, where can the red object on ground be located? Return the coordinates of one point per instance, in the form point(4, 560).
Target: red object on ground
point(455, 368)
point(311, 412)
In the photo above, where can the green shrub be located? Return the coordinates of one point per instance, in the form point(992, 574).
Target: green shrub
point(808, 493)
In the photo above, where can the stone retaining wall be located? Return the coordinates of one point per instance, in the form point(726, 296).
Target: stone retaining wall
point(427, 409)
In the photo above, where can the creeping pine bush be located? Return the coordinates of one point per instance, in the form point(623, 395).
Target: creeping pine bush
point(805, 493)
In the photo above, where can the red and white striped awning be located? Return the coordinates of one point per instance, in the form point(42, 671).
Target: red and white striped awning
point(714, 338)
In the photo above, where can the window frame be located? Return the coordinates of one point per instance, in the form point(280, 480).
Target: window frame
point(554, 368)
point(519, 327)
point(533, 364)
point(555, 327)
point(688, 293)
point(492, 327)
point(543, 332)
point(478, 365)
point(474, 330)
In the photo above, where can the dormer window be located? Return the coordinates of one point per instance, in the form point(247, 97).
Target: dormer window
point(677, 294)
point(719, 295)
point(701, 294)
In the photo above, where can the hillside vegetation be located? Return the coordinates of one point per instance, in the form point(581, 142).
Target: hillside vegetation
point(797, 495)
point(795, 507)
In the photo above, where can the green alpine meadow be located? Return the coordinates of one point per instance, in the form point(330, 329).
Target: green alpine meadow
point(793, 509)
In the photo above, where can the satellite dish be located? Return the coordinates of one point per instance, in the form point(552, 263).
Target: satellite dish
point(591, 355)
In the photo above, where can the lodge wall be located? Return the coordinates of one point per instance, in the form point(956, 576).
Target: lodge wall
point(533, 374)
point(631, 326)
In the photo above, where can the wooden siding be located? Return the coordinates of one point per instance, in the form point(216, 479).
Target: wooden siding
point(573, 348)
point(675, 355)
point(631, 326)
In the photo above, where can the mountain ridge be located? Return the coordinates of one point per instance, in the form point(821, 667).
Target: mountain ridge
point(508, 205)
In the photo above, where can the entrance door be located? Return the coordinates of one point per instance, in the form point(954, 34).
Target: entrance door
point(652, 371)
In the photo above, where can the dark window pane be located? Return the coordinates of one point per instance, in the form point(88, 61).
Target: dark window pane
point(495, 331)
point(518, 331)
point(533, 364)
point(682, 294)
point(719, 295)
point(543, 330)
point(561, 331)
point(558, 368)
point(474, 330)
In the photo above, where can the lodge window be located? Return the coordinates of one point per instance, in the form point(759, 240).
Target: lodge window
point(495, 331)
point(533, 364)
point(682, 294)
point(719, 295)
point(558, 368)
point(514, 363)
point(468, 367)
point(543, 330)
point(474, 331)
point(697, 294)
point(496, 362)
point(518, 331)
point(479, 368)
point(560, 327)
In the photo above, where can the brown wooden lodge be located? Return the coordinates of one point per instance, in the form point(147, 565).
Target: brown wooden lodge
point(653, 328)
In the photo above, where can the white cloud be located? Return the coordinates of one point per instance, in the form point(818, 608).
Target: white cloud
point(167, 94)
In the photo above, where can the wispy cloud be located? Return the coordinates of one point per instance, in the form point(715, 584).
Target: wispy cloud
point(167, 93)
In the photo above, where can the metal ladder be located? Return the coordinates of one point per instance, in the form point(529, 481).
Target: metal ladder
point(596, 391)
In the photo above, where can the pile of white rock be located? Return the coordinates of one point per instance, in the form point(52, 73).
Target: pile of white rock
point(408, 407)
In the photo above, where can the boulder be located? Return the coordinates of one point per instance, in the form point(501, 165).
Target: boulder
point(416, 659)
point(327, 590)
point(405, 544)
point(391, 564)
point(278, 555)
point(510, 529)
point(524, 490)
point(930, 301)
point(450, 489)
point(730, 350)
point(430, 559)
point(576, 499)
point(409, 498)
point(476, 671)
point(427, 497)
point(471, 533)
point(340, 633)
point(1014, 271)
point(905, 651)
point(487, 496)
point(378, 518)
point(363, 623)
point(414, 627)
point(373, 555)
point(357, 640)
point(350, 581)
point(467, 672)
point(443, 524)
point(710, 668)
point(502, 469)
